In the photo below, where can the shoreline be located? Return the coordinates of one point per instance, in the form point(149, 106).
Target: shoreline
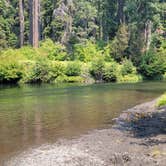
point(137, 138)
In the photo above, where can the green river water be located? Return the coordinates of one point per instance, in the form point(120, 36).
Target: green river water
point(39, 114)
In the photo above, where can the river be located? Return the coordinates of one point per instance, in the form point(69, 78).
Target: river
point(33, 115)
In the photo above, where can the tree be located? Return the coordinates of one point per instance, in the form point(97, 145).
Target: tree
point(21, 17)
point(34, 22)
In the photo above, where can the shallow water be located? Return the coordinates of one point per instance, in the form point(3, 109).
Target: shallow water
point(35, 115)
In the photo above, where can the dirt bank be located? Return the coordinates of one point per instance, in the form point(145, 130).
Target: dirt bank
point(137, 138)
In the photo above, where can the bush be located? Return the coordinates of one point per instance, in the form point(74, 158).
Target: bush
point(39, 73)
point(54, 51)
point(153, 66)
point(10, 72)
point(73, 69)
point(97, 68)
point(86, 51)
point(110, 72)
point(57, 69)
point(162, 101)
point(127, 68)
point(130, 78)
point(69, 79)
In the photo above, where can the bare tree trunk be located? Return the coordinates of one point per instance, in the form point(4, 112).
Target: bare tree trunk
point(120, 14)
point(148, 35)
point(34, 22)
point(21, 17)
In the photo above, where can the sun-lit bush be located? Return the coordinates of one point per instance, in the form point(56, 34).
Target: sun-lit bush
point(110, 72)
point(162, 101)
point(40, 72)
point(153, 65)
point(10, 72)
point(130, 78)
point(127, 68)
point(97, 68)
point(73, 69)
point(54, 51)
point(86, 52)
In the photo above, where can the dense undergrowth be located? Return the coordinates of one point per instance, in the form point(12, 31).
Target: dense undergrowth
point(88, 63)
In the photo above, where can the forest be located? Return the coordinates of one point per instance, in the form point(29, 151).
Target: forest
point(52, 41)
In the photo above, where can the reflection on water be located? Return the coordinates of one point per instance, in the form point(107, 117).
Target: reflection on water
point(33, 115)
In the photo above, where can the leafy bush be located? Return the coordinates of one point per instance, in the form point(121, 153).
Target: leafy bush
point(162, 101)
point(73, 69)
point(127, 68)
point(40, 72)
point(54, 51)
point(130, 78)
point(10, 72)
point(69, 79)
point(110, 72)
point(57, 69)
point(86, 51)
point(97, 68)
point(152, 66)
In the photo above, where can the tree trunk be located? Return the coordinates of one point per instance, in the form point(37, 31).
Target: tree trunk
point(120, 14)
point(21, 17)
point(34, 22)
point(148, 35)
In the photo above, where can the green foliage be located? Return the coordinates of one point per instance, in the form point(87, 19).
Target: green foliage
point(58, 69)
point(120, 43)
point(127, 68)
point(54, 51)
point(86, 51)
point(73, 69)
point(130, 78)
point(153, 65)
point(110, 72)
point(40, 72)
point(69, 79)
point(10, 72)
point(97, 68)
point(162, 101)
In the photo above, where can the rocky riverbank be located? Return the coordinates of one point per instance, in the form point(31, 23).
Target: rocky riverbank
point(137, 138)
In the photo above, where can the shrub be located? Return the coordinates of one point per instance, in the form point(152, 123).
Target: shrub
point(69, 79)
point(57, 69)
point(27, 52)
point(86, 51)
point(162, 101)
point(130, 78)
point(153, 66)
point(54, 51)
point(73, 69)
point(40, 72)
point(97, 68)
point(110, 72)
point(10, 72)
point(127, 68)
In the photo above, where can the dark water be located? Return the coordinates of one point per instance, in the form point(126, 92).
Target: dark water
point(34, 115)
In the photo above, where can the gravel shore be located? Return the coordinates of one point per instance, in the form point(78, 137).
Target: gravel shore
point(138, 138)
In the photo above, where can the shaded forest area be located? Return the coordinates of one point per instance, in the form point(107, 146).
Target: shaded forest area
point(117, 40)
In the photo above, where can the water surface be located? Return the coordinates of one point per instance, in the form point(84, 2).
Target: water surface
point(35, 115)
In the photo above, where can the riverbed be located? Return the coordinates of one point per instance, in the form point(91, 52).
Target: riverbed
point(32, 116)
